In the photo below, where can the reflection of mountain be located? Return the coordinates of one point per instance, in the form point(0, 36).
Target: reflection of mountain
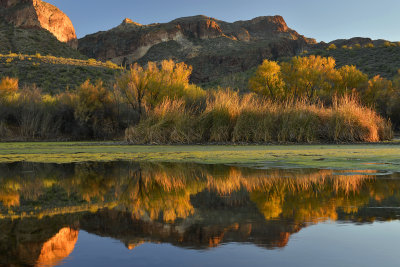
point(58, 247)
point(186, 205)
point(208, 228)
point(35, 241)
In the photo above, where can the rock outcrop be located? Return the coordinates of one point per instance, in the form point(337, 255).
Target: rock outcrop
point(36, 14)
point(213, 47)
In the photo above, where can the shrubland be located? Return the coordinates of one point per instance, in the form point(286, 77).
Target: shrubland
point(304, 100)
point(55, 74)
point(372, 59)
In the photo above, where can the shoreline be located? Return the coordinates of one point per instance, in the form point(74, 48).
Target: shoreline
point(376, 156)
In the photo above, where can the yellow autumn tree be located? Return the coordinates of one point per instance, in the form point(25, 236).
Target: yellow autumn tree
point(267, 81)
point(376, 87)
point(379, 94)
point(8, 86)
point(310, 76)
point(133, 85)
point(151, 85)
point(94, 107)
point(170, 80)
point(350, 78)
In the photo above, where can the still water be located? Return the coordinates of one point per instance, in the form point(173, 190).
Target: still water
point(148, 214)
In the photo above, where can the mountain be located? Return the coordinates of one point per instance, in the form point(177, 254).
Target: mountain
point(213, 47)
point(36, 14)
point(221, 53)
point(38, 46)
point(33, 26)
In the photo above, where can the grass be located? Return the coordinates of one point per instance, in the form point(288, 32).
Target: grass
point(358, 156)
point(230, 117)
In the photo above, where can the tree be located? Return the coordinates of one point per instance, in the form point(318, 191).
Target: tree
point(351, 78)
point(170, 80)
point(8, 86)
point(151, 85)
point(388, 44)
point(267, 81)
point(133, 85)
point(310, 76)
point(94, 108)
point(332, 47)
point(377, 88)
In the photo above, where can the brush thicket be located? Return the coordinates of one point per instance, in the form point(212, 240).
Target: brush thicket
point(229, 117)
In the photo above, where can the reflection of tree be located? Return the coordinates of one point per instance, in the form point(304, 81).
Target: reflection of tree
point(92, 182)
point(165, 191)
point(186, 205)
point(159, 190)
point(9, 193)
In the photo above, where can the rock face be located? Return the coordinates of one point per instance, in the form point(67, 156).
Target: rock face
point(213, 47)
point(36, 14)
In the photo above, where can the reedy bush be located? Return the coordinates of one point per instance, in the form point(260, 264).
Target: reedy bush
point(229, 117)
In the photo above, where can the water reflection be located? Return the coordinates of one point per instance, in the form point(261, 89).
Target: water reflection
point(187, 205)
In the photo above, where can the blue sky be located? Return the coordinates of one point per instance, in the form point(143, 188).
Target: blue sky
point(320, 19)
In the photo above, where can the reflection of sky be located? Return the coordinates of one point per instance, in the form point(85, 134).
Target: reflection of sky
point(323, 20)
point(325, 244)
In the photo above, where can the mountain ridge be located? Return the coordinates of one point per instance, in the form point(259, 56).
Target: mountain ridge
point(217, 50)
point(213, 47)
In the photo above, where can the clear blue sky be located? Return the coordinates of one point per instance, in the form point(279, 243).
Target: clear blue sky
point(320, 19)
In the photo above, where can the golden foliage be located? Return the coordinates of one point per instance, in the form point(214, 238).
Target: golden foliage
point(267, 80)
point(8, 86)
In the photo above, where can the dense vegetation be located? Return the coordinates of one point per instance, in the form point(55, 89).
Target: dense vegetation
point(228, 117)
point(90, 111)
point(306, 99)
point(316, 77)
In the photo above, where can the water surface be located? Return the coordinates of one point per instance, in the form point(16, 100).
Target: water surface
point(147, 214)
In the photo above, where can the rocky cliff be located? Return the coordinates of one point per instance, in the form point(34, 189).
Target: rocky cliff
point(36, 14)
point(213, 47)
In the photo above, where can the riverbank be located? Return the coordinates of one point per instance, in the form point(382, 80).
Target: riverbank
point(380, 156)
